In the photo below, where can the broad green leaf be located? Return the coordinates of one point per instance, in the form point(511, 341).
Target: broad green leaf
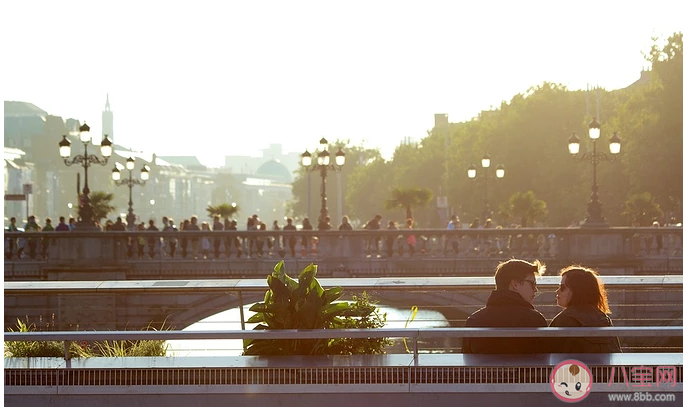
point(261, 307)
point(334, 309)
point(333, 294)
point(256, 318)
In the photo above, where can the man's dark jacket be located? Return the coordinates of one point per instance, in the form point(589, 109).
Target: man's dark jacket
point(579, 316)
point(505, 309)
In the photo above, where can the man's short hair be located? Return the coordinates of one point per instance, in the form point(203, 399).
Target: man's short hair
point(515, 269)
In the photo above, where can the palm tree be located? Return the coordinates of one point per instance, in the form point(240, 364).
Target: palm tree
point(223, 210)
point(407, 198)
point(641, 209)
point(527, 208)
point(101, 205)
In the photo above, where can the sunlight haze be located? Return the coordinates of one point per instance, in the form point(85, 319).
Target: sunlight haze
point(214, 78)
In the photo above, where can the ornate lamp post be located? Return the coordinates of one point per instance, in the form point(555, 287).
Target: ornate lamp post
point(472, 173)
point(130, 182)
point(86, 161)
point(323, 165)
point(594, 212)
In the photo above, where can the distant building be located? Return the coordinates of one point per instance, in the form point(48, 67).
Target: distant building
point(24, 126)
point(178, 187)
point(108, 121)
point(17, 172)
point(240, 164)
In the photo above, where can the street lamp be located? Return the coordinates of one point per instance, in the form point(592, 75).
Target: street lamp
point(472, 173)
point(85, 160)
point(323, 165)
point(594, 211)
point(130, 182)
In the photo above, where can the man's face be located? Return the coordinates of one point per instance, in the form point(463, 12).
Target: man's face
point(525, 287)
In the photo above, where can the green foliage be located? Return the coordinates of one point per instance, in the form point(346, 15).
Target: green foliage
point(25, 349)
point(407, 198)
point(651, 125)
point(525, 208)
point(80, 350)
point(307, 184)
point(367, 188)
point(529, 135)
point(641, 209)
point(304, 304)
point(116, 349)
point(224, 210)
point(101, 204)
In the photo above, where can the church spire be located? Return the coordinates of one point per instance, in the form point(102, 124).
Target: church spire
point(108, 121)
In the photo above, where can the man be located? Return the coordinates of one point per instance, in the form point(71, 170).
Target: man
point(13, 242)
point(117, 226)
point(217, 226)
point(324, 223)
point(510, 305)
point(32, 226)
point(46, 242)
point(232, 225)
point(292, 239)
point(152, 241)
point(192, 226)
point(453, 224)
point(169, 226)
point(373, 224)
point(62, 226)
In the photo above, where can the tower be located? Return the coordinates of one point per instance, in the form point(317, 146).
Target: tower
point(108, 121)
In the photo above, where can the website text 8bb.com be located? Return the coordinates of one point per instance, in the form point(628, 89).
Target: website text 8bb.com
point(641, 396)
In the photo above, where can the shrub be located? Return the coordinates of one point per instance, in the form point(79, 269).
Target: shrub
point(80, 350)
point(304, 304)
point(25, 349)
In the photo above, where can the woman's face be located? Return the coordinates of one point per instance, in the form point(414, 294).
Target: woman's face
point(563, 293)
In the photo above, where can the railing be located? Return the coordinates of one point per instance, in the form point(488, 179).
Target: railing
point(634, 300)
point(580, 243)
point(406, 333)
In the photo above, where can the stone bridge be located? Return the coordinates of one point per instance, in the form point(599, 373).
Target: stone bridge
point(134, 305)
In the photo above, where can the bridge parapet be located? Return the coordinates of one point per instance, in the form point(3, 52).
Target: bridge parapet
point(401, 380)
point(340, 253)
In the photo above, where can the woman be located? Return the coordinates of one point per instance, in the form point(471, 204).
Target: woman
point(584, 299)
point(411, 240)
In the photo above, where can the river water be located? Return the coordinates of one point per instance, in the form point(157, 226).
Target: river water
point(230, 320)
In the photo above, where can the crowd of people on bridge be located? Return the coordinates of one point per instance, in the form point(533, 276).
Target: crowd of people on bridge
point(204, 247)
point(503, 244)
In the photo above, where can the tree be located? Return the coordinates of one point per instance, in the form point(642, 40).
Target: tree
point(641, 209)
point(651, 125)
point(527, 208)
point(307, 184)
point(407, 198)
point(101, 205)
point(367, 188)
point(223, 210)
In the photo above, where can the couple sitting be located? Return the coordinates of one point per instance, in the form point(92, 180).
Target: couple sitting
point(581, 294)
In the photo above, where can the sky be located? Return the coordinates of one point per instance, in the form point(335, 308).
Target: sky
point(217, 78)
